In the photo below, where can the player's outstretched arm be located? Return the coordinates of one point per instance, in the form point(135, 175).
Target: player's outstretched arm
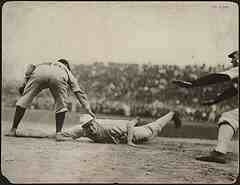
point(228, 93)
point(82, 98)
point(182, 83)
point(203, 81)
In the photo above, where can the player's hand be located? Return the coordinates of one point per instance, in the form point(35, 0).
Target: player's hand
point(181, 83)
point(208, 102)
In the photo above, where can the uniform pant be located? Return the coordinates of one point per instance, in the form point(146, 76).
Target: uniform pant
point(38, 82)
point(232, 117)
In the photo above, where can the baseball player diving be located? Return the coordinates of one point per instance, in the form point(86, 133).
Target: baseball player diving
point(228, 123)
point(58, 78)
point(100, 132)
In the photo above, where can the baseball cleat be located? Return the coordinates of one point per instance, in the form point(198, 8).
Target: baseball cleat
point(11, 134)
point(61, 137)
point(177, 120)
point(214, 156)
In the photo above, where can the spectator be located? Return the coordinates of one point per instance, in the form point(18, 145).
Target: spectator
point(147, 86)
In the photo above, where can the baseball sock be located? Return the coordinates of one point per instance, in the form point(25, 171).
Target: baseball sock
point(225, 134)
point(19, 113)
point(60, 117)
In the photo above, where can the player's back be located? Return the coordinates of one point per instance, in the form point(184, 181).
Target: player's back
point(51, 70)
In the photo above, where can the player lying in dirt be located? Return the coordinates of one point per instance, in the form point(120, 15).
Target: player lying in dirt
point(99, 132)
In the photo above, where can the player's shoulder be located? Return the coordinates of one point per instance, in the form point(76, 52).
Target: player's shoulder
point(231, 72)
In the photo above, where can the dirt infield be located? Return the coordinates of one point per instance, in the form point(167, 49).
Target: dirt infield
point(164, 160)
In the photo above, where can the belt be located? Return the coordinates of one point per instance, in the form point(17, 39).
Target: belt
point(52, 63)
point(46, 63)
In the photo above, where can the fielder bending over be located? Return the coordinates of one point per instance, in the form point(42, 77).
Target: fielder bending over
point(56, 76)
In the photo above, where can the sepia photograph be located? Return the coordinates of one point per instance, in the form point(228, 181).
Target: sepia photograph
point(120, 92)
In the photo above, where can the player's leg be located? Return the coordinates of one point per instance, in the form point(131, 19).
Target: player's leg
point(59, 92)
point(59, 117)
point(228, 125)
point(151, 130)
point(164, 120)
point(225, 135)
point(34, 133)
point(203, 81)
point(33, 87)
point(19, 113)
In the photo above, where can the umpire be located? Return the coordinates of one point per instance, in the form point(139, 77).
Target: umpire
point(58, 78)
point(228, 123)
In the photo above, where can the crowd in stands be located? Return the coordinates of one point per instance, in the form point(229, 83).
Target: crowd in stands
point(143, 90)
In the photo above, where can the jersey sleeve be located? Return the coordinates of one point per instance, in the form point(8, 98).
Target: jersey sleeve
point(233, 73)
point(73, 83)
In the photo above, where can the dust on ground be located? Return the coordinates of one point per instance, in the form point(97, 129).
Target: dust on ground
point(163, 160)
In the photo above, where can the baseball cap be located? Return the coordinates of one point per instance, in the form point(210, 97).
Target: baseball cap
point(231, 55)
point(65, 62)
